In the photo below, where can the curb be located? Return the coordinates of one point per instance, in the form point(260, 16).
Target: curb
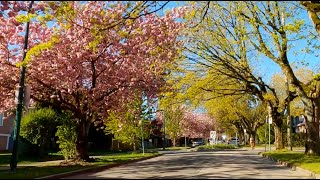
point(292, 167)
point(95, 169)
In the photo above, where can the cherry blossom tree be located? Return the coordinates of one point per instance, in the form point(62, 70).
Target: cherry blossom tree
point(198, 125)
point(82, 69)
point(192, 125)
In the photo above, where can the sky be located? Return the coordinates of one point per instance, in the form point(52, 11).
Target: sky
point(266, 67)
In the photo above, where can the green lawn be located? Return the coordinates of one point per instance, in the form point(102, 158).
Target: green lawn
point(5, 158)
point(311, 163)
point(29, 172)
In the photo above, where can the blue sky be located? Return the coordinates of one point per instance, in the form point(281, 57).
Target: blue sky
point(266, 67)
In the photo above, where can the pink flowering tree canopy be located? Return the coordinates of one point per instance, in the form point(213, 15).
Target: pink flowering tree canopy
point(78, 65)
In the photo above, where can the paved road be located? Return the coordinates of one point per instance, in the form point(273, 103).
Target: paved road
point(232, 164)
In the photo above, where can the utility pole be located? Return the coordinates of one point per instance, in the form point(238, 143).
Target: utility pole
point(16, 131)
point(270, 122)
point(142, 143)
point(164, 131)
point(265, 136)
point(289, 123)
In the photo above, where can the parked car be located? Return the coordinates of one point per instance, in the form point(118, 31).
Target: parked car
point(197, 143)
point(221, 141)
point(234, 141)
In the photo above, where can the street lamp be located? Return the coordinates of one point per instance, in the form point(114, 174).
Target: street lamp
point(16, 131)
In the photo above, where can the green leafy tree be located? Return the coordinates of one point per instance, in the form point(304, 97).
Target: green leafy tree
point(67, 137)
point(243, 112)
point(126, 124)
point(263, 134)
point(174, 116)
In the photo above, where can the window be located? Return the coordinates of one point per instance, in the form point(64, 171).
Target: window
point(1, 119)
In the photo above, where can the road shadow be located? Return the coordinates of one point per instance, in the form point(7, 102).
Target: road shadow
point(198, 165)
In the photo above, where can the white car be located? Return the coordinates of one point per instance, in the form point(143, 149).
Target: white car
point(234, 141)
point(197, 143)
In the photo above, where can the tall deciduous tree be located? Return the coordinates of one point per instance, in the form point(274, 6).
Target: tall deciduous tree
point(174, 118)
point(273, 28)
point(222, 59)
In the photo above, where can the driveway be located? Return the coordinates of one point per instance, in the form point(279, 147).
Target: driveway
point(234, 164)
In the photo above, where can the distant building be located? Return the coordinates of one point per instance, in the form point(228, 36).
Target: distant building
point(6, 130)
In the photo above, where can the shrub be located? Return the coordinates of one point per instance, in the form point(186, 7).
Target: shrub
point(39, 127)
point(217, 146)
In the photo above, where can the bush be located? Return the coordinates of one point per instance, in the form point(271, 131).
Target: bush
point(67, 137)
point(39, 127)
point(217, 146)
point(298, 139)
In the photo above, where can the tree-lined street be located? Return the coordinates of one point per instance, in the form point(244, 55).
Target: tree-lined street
point(123, 80)
point(228, 164)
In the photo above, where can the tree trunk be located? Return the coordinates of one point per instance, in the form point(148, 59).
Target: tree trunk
point(240, 137)
point(112, 144)
point(174, 142)
point(273, 112)
point(312, 127)
point(311, 104)
point(82, 141)
point(278, 136)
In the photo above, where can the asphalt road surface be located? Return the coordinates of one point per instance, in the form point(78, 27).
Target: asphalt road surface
point(231, 164)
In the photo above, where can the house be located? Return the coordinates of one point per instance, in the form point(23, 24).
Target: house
point(6, 130)
point(299, 124)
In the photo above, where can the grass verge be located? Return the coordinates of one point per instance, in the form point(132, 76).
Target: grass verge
point(299, 159)
point(29, 171)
